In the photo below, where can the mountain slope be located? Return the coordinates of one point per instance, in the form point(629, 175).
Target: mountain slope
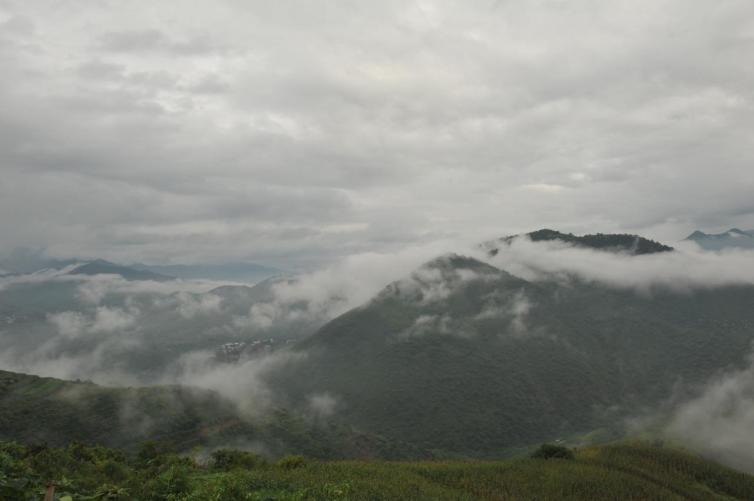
point(463, 357)
point(733, 238)
point(40, 410)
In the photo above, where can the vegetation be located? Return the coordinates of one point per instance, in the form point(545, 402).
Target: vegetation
point(621, 242)
point(177, 416)
point(626, 471)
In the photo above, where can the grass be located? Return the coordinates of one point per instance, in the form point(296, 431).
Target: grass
point(621, 471)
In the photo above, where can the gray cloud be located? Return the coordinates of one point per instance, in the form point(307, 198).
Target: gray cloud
point(294, 134)
point(146, 40)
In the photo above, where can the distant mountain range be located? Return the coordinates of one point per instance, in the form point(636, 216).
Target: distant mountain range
point(102, 267)
point(82, 267)
point(21, 261)
point(232, 272)
point(733, 238)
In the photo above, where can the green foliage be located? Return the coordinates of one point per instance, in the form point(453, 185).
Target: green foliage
point(154, 420)
point(622, 471)
point(292, 462)
point(551, 451)
point(228, 459)
point(150, 451)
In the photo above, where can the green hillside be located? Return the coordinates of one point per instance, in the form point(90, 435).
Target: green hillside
point(39, 410)
point(465, 358)
point(626, 471)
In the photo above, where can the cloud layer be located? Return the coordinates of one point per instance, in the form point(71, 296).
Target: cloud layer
point(293, 133)
point(687, 267)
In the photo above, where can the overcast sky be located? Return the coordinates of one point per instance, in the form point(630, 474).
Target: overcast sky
point(292, 133)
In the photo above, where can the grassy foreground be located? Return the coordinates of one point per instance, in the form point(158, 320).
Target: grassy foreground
point(625, 471)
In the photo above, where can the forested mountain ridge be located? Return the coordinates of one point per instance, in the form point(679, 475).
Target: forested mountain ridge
point(464, 357)
point(613, 242)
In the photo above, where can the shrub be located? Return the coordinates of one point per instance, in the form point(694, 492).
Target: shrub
point(551, 451)
point(154, 453)
point(113, 470)
point(228, 459)
point(172, 483)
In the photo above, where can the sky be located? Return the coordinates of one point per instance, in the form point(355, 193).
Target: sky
point(294, 133)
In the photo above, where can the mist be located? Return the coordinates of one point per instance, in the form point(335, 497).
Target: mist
point(686, 268)
point(718, 421)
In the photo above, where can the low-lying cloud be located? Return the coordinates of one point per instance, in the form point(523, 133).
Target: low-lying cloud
point(244, 383)
point(719, 421)
point(72, 324)
point(686, 268)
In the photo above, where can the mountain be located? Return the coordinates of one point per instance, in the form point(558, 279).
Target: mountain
point(462, 357)
point(23, 260)
point(626, 243)
point(733, 238)
point(102, 267)
point(231, 272)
